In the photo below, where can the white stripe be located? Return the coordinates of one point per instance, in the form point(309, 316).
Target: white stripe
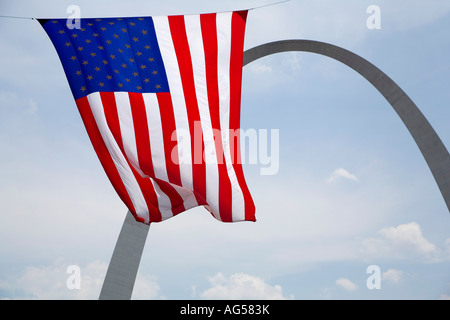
point(195, 40)
point(156, 135)
point(157, 152)
point(187, 195)
point(125, 172)
point(170, 61)
point(224, 54)
point(127, 129)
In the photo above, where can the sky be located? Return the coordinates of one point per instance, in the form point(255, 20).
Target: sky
point(352, 211)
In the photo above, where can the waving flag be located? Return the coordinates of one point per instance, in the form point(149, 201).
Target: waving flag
point(160, 100)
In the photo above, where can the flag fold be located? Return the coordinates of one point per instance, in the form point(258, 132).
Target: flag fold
point(160, 98)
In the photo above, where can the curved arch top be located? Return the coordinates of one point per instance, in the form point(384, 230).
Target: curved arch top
point(122, 270)
point(433, 150)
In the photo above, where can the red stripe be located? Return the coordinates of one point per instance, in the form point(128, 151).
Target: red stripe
point(209, 33)
point(237, 50)
point(181, 45)
point(142, 135)
point(170, 147)
point(103, 154)
point(168, 127)
point(176, 202)
point(112, 118)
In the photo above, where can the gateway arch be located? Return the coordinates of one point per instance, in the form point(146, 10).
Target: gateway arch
point(429, 143)
point(122, 270)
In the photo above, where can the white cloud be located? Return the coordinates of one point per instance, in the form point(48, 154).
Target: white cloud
point(404, 241)
point(346, 284)
point(392, 275)
point(51, 283)
point(259, 68)
point(292, 61)
point(341, 173)
point(242, 286)
point(146, 288)
point(409, 234)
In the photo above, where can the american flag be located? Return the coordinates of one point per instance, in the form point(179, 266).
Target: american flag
point(140, 84)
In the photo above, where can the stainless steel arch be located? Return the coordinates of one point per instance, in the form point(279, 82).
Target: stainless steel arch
point(433, 150)
point(121, 274)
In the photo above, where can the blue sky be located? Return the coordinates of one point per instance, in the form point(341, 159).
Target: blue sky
point(352, 188)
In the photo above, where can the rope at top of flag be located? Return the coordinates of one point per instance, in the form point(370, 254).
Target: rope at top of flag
point(259, 7)
point(269, 5)
point(17, 17)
